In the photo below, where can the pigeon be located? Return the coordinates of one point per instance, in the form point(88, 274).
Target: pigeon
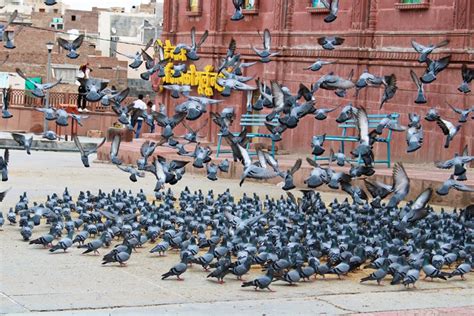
point(201, 156)
point(211, 169)
point(78, 118)
point(50, 2)
point(339, 158)
point(192, 109)
point(118, 256)
point(45, 240)
point(2, 220)
point(8, 36)
point(333, 6)
point(390, 84)
point(392, 125)
point(378, 276)
point(94, 245)
point(25, 232)
point(62, 117)
point(192, 134)
point(6, 104)
point(116, 97)
point(4, 164)
point(291, 277)
point(10, 20)
point(341, 269)
point(265, 54)
point(321, 113)
point(191, 51)
point(328, 42)
point(136, 59)
point(333, 82)
point(318, 175)
point(63, 244)
point(418, 209)
point(318, 64)
point(401, 185)
point(94, 88)
point(114, 150)
point(168, 123)
point(448, 129)
point(262, 282)
point(177, 89)
point(458, 163)
point(85, 153)
point(50, 135)
point(239, 5)
point(431, 272)
point(463, 114)
point(414, 138)
point(420, 97)
point(366, 79)
point(39, 88)
point(461, 270)
point(411, 277)
point(346, 114)
point(434, 67)
point(453, 184)
point(251, 170)
point(146, 150)
point(23, 141)
point(288, 175)
point(224, 165)
point(276, 130)
point(49, 113)
point(378, 189)
point(424, 51)
point(432, 115)
point(358, 195)
point(178, 269)
point(134, 173)
point(317, 144)
point(467, 76)
point(158, 67)
point(71, 47)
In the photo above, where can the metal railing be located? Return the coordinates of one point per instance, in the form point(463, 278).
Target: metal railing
point(25, 98)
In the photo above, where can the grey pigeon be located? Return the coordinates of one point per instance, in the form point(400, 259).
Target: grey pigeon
point(411, 277)
point(192, 109)
point(191, 50)
point(401, 185)
point(378, 276)
point(390, 88)
point(424, 51)
point(328, 42)
point(448, 129)
point(418, 209)
point(211, 169)
point(467, 76)
point(321, 113)
point(224, 165)
point(45, 240)
point(458, 163)
point(168, 123)
point(434, 68)
point(23, 141)
point(192, 134)
point(114, 150)
point(39, 88)
point(6, 104)
point(420, 96)
point(318, 64)
point(178, 269)
point(4, 164)
point(136, 59)
point(71, 46)
point(134, 173)
point(453, 184)
point(414, 138)
point(238, 5)
point(48, 112)
point(94, 88)
point(318, 175)
point(265, 54)
point(85, 153)
point(63, 244)
point(262, 282)
point(463, 114)
point(461, 270)
point(317, 144)
point(62, 117)
point(432, 115)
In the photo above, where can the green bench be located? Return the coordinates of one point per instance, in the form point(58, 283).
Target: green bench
point(374, 120)
point(246, 121)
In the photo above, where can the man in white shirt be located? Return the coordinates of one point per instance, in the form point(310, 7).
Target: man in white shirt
point(139, 105)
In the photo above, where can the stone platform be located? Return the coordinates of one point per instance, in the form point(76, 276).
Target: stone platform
point(422, 175)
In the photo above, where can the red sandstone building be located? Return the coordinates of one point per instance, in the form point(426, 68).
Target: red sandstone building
point(377, 37)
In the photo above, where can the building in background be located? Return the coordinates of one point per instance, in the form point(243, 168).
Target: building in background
point(377, 37)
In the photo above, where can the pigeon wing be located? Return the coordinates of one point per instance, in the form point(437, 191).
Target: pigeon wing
point(78, 41)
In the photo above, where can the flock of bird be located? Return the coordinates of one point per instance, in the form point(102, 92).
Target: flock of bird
point(291, 239)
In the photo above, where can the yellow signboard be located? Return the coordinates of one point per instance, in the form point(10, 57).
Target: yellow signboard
point(205, 80)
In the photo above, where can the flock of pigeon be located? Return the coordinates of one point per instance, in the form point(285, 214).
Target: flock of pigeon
point(291, 239)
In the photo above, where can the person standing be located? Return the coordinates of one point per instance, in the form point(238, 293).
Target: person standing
point(151, 108)
point(139, 105)
point(84, 72)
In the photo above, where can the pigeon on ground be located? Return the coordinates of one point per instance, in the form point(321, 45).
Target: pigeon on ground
point(461, 270)
point(265, 54)
point(424, 51)
point(23, 141)
point(378, 275)
point(63, 244)
point(333, 6)
point(411, 277)
point(467, 76)
point(434, 68)
point(262, 282)
point(224, 165)
point(39, 88)
point(4, 164)
point(118, 256)
point(211, 169)
point(328, 42)
point(45, 240)
point(178, 269)
point(85, 153)
point(420, 97)
point(71, 46)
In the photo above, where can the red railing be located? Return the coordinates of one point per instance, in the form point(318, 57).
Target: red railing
point(25, 98)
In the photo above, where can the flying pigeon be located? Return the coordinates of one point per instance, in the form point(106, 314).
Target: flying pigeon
point(434, 67)
point(467, 76)
point(71, 47)
point(85, 153)
point(191, 51)
point(39, 88)
point(328, 42)
point(424, 51)
point(420, 97)
point(265, 54)
point(23, 141)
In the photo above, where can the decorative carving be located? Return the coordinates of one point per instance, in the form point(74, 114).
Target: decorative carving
point(289, 15)
point(277, 9)
point(222, 15)
point(373, 15)
point(174, 14)
point(356, 18)
point(213, 14)
point(460, 14)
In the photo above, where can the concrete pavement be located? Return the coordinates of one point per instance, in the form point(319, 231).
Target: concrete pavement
point(34, 281)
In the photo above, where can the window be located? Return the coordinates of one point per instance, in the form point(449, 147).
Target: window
point(317, 4)
point(42, 10)
point(193, 7)
point(55, 10)
point(67, 72)
point(412, 4)
point(73, 18)
point(250, 5)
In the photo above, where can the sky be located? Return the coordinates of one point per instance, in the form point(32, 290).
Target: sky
point(88, 4)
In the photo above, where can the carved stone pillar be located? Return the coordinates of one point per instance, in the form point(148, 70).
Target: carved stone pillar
point(462, 12)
